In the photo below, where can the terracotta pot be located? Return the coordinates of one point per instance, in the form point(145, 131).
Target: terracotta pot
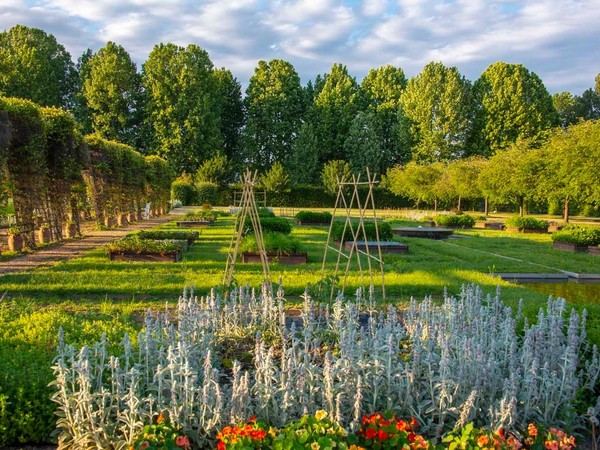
point(70, 230)
point(44, 235)
point(110, 222)
point(122, 220)
point(15, 242)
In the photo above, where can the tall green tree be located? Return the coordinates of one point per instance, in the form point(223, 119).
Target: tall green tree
point(304, 164)
point(231, 112)
point(81, 111)
point(363, 146)
point(419, 182)
point(113, 95)
point(34, 66)
point(565, 105)
point(439, 107)
point(380, 93)
point(572, 159)
point(333, 172)
point(460, 179)
point(515, 105)
point(275, 108)
point(182, 107)
point(335, 107)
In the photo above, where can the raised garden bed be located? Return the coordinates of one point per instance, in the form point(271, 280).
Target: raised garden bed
point(423, 232)
point(568, 247)
point(553, 228)
point(293, 259)
point(386, 246)
point(489, 225)
point(594, 250)
point(145, 256)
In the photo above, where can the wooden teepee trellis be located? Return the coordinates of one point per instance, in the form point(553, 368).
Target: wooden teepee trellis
point(247, 208)
point(357, 233)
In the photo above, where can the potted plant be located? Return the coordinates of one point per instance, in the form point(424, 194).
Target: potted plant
point(576, 238)
point(279, 246)
point(15, 239)
point(70, 229)
point(44, 234)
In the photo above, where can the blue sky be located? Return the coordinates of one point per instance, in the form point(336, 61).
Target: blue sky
point(557, 39)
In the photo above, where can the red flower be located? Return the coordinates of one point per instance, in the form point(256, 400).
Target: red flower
point(411, 437)
point(183, 442)
point(252, 419)
point(382, 435)
point(413, 422)
point(220, 445)
point(370, 433)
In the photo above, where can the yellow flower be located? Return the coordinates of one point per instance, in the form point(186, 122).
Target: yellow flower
point(272, 431)
point(299, 432)
point(320, 414)
point(315, 446)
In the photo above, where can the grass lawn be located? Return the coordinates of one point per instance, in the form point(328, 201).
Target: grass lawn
point(91, 295)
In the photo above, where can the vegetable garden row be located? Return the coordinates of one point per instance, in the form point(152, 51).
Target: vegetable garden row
point(55, 176)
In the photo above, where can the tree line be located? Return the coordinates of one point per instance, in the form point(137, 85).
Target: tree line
point(178, 106)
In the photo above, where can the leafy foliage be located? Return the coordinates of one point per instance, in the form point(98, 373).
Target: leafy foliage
point(271, 224)
point(206, 192)
point(203, 214)
point(530, 223)
point(184, 190)
point(384, 230)
point(577, 235)
point(189, 236)
point(275, 242)
point(334, 172)
point(313, 217)
point(275, 180)
point(139, 244)
point(455, 220)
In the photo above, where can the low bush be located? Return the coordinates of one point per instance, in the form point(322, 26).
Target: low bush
point(184, 191)
point(202, 215)
point(455, 220)
point(313, 217)
point(135, 244)
point(383, 228)
point(578, 235)
point(529, 223)
point(274, 243)
point(189, 236)
point(270, 225)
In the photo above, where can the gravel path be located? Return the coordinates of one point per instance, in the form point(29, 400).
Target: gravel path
point(91, 239)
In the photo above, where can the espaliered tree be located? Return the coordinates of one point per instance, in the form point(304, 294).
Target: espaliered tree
point(159, 177)
point(25, 162)
point(116, 178)
point(65, 159)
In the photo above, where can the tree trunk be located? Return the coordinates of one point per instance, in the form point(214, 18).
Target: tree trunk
point(566, 211)
point(486, 206)
point(435, 205)
point(521, 206)
point(459, 201)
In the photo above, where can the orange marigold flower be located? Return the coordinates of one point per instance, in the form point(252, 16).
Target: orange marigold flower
point(551, 445)
point(160, 418)
point(483, 441)
point(402, 425)
point(226, 430)
point(532, 430)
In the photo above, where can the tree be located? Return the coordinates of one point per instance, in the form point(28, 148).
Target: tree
point(461, 179)
point(363, 145)
point(587, 107)
point(304, 163)
point(112, 93)
point(418, 182)
point(333, 173)
point(231, 112)
point(335, 108)
point(439, 106)
point(565, 105)
point(182, 110)
point(275, 108)
point(275, 180)
point(81, 111)
point(214, 170)
point(515, 105)
point(379, 94)
point(34, 66)
point(512, 175)
point(573, 164)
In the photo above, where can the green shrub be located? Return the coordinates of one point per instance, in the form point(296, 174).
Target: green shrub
point(578, 235)
point(313, 217)
point(135, 244)
point(384, 229)
point(455, 220)
point(530, 223)
point(184, 191)
point(265, 212)
point(274, 243)
point(270, 225)
point(189, 236)
point(206, 192)
point(202, 215)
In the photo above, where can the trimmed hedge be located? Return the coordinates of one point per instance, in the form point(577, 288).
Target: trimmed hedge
point(313, 217)
point(455, 220)
point(270, 225)
point(184, 191)
point(578, 235)
point(384, 228)
point(530, 223)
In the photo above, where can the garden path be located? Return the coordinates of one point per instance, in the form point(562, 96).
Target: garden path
point(63, 251)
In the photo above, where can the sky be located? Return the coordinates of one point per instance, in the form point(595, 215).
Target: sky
point(559, 40)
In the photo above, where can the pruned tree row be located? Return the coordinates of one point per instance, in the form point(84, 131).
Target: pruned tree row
point(55, 176)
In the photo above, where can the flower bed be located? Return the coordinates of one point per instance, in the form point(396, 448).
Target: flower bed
point(454, 220)
point(133, 248)
point(332, 361)
point(576, 238)
point(526, 225)
point(201, 218)
point(189, 236)
point(313, 218)
point(279, 247)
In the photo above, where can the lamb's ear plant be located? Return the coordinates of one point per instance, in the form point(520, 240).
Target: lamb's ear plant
point(467, 359)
